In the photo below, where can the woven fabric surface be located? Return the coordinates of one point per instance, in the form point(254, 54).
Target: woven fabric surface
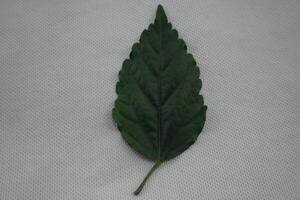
point(59, 61)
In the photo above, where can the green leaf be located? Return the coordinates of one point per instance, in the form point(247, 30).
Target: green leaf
point(159, 111)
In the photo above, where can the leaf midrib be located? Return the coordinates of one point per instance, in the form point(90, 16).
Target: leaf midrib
point(159, 113)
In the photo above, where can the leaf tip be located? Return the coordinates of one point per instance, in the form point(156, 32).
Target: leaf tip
point(160, 7)
point(161, 17)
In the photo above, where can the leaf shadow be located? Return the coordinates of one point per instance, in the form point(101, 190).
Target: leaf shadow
point(108, 121)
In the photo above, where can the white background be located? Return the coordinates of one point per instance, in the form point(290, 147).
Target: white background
point(59, 61)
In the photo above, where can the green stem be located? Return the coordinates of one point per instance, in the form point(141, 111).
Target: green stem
point(139, 189)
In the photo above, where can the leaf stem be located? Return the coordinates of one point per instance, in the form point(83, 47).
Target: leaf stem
point(139, 189)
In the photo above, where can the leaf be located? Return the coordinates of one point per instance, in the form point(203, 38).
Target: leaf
point(159, 111)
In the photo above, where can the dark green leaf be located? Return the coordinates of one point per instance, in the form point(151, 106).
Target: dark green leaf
point(159, 111)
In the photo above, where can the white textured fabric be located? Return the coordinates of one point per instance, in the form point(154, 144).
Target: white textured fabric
point(59, 61)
